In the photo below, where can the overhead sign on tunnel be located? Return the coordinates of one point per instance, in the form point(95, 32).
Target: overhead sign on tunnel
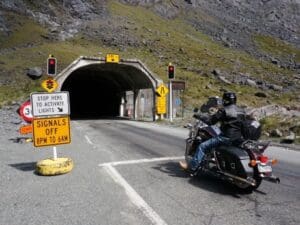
point(50, 104)
point(112, 58)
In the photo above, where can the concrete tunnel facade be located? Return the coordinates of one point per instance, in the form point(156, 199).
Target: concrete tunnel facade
point(100, 89)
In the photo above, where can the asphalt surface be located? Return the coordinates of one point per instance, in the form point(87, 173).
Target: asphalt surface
point(127, 172)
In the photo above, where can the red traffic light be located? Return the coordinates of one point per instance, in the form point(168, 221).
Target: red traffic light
point(51, 61)
point(171, 72)
point(51, 66)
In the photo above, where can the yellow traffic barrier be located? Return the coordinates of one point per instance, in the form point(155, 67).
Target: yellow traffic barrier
point(51, 166)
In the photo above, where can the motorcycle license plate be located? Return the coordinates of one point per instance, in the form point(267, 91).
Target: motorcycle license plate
point(264, 168)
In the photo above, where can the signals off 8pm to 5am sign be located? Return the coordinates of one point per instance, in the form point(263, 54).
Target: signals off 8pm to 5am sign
point(51, 131)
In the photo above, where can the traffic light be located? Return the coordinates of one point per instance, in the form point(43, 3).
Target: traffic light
point(171, 71)
point(51, 66)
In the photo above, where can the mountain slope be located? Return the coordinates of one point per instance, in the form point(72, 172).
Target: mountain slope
point(246, 46)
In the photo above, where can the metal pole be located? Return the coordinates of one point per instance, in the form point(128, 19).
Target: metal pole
point(171, 102)
point(182, 103)
point(54, 153)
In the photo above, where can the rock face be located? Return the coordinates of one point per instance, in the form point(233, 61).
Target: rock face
point(229, 21)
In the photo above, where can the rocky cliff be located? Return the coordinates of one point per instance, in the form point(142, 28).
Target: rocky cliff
point(231, 22)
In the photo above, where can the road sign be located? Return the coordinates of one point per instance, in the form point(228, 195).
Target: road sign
point(50, 85)
point(178, 85)
point(161, 105)
point(162, 90)
point(26, 129)
point(112, 58)
point(177, 101)
point(25, 111)
point(51, 131)
point(50, 104)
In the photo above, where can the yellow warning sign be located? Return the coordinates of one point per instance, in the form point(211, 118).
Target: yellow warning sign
point(161, 105)
point(112, 58)
point(51, 131)
point(162, 90)
point(50, 85)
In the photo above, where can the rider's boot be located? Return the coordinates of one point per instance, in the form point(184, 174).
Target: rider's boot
point(191, 167)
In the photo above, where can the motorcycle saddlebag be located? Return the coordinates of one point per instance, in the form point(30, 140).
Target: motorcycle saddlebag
point(234, 160)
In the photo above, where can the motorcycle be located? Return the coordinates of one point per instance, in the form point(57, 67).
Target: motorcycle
point(244, 165)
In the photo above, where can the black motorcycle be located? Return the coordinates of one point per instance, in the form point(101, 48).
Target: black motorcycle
point(244, 165)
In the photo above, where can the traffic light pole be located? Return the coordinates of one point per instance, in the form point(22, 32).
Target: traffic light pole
point(170, 101)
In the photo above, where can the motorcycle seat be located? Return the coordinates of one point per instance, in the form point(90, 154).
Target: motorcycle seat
point(234, 151)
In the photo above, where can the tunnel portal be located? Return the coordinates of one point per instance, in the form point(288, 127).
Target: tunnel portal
point(99, 89)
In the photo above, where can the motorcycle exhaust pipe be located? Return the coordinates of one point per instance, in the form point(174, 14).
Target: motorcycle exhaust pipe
point(272, 179)
point(253, 183)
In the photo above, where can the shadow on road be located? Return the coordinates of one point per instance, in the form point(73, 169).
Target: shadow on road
point(203, 181)
point(171, 168)
point(30, 166)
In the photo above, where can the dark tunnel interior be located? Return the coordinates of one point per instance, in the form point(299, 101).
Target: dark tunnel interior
point(96, 90)
point(90, 97)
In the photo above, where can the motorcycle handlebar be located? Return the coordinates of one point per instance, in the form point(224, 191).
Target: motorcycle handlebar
point(197, 116)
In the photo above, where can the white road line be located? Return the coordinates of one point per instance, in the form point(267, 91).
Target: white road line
point(88, 140)
point(142, 161)
point(134, 197)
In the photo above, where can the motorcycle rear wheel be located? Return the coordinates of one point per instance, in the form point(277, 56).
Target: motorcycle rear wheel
point(250, 188)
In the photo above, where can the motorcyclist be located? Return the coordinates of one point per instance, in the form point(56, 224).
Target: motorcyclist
point(230, 117)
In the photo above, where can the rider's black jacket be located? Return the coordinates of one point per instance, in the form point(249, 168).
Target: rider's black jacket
point(230, 118)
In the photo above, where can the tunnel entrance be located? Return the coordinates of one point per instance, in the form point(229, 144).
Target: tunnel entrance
point(99, 89)
point(92, 96)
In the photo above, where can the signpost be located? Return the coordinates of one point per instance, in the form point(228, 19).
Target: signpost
point(162, 90)
point(112, 58)
point(51, 131)
point(26, 129)
point(49, 85)
point(25, 111)
point(161, 105)
point(50, 104)
point(50, 122)
point(178, 85)
point(161, 102)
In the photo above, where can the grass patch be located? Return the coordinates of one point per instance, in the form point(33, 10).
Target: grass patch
point(277, 47)
point(25, 32)
point(173, 40)
point(284, 124)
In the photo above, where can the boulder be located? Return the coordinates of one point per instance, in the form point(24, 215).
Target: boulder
point(35, 73)
point(276, 133)
point(289, 139)
point(251, 83)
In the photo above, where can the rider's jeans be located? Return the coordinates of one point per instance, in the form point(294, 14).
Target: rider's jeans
point(204, 147)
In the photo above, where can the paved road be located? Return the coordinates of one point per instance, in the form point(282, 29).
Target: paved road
point(127, 173)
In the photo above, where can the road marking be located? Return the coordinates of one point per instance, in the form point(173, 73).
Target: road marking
point(88, 140)
point(134, 197)
point(141, 161)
